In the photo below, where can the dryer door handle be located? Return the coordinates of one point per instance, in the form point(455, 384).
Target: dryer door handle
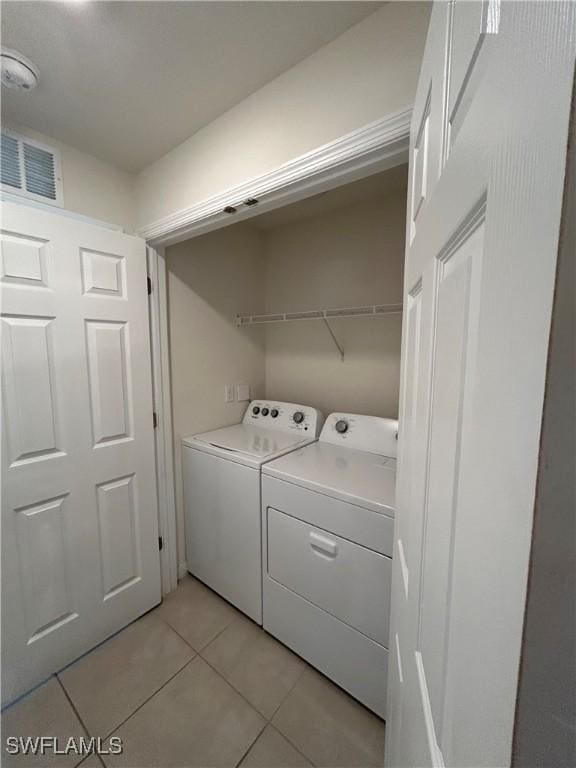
point(324, 545)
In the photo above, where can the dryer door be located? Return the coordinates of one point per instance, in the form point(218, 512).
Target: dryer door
point(345, 579)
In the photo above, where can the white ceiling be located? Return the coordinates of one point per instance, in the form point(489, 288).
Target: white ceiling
point(128, 81)
point(379, 185)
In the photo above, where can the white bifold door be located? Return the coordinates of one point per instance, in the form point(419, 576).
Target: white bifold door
point(79, 523)
point(487, 161)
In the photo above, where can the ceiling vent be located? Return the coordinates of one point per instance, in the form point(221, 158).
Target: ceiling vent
point(30, 168)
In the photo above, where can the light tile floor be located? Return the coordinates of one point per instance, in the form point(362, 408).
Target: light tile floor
point(195, 683)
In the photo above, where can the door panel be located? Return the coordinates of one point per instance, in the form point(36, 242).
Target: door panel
point(488, 148)
point(43, 550)
point(469, 24)
point(79, 523)
point(23, 260)
point(103, 274)
point(413, 332)
point(28, 363)
point(420, 163)
point(453, 302)
point(109, 388)
point(118, 526)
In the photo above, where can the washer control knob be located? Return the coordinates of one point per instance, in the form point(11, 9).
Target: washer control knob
point(265, 411)
point(274, 413)
point(298, 417)
point(341, 426)
point(255, 410)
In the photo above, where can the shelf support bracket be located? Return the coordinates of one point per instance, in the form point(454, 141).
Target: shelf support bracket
point(334, 339)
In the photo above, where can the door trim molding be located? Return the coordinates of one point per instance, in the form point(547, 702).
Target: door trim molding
point(373, 148)
point(163, 434)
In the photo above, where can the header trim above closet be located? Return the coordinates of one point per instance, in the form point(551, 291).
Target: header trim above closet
point(375, 147)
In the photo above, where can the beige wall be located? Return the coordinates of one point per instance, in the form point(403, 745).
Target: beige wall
point(348, 257)
point(210, 280)
point(92, 187)
point(369, 71)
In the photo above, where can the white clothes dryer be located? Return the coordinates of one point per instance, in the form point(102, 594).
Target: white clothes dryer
point(221, 474)
point(327, 533)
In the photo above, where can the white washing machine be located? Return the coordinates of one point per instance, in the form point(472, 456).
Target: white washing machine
point(327, 535)
point(221, 473)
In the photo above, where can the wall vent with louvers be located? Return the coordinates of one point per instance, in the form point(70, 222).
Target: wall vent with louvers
point(30, 168)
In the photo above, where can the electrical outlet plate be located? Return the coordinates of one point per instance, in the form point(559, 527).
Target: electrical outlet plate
point(229, 393)
point(242, 392)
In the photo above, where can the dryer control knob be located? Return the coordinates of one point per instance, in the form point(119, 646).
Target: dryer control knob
point(298, 417)
point(274, 413)
point(341, 426)
point(265, 411)
point(255, 410)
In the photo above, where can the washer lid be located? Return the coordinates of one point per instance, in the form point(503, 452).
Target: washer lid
point(358, 477)
point(251, 441)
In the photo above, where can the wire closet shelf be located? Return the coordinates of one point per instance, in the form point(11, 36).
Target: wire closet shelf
point(371, 310)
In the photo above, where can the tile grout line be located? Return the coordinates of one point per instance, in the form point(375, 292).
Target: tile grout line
point(198, 655)
point(266, 718)
point(291, 688)
point(179, 635)
point(69, 699)
point(221, 676)
point(117, 727)
point(188, 643)
point(80, 720)
point(231, 684)
point(234, 620)
point(307, 667)
point(293, 745)
point(245, 753)
point(289, 740)
point(284, 736)
point(277, 729)
point(268, 721)
point(107, 735)
point(106, 640)
point(239, 614)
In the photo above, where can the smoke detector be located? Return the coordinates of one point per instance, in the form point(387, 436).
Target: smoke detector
point(18, 73)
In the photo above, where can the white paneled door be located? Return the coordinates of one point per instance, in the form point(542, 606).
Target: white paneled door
point(79, 523)
point(487, 159)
